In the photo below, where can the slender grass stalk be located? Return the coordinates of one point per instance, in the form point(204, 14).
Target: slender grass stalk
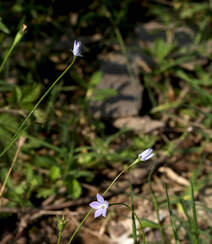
point(108, 188)
point(133, 216)
point(195, 228)
point(192, 221)
point(155, 203)
point(16, 40)
point(189, 220)
point(134, 213)
point(23, 124)
point(171, 217)
point(20, 144)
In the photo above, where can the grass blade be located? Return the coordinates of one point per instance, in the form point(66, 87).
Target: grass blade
point(171, 217)
point(194, 213)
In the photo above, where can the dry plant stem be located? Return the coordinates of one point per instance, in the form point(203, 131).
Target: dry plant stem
point(174, 176)
point(108, 188)
point(20, 144)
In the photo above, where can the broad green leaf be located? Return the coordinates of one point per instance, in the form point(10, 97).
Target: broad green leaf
point(85, 158)
point(31, 93)
point(54, 173)
point(29, 173)
point(44, 193)
point(33, 180)
point(95, 79)
point(8, 122)
point(102, 94)
point(74, 188)
point(21, 188)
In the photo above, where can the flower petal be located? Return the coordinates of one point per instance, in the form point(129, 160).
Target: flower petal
point(106, 204)
point(104, 212)
point(100, 198)
point(77, 48)
point(147, 154)
point(95, 205)
point(98, 212)
point(150, 156)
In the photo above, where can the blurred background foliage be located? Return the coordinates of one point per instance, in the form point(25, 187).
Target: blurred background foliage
point(65, 145)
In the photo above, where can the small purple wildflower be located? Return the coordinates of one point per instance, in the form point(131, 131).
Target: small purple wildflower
point(77, 48)
point(145, 155)
point(100, 206)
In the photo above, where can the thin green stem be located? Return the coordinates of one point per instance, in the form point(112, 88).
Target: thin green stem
point(155, 203)
point(171, 217)
point(16, 40)
point(108, 188)
point(194, 222)
point(187, 225)
point(122, 172)
point(59, 237)
point(6, 57)
point(21, 127)
point(80, 225)
point(134, 230)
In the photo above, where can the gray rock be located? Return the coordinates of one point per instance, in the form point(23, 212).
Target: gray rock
point(139, 124)
point(127, 102)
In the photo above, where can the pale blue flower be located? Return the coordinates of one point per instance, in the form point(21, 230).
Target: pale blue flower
point(100, 206)
point(145, 155)
point(77, 48)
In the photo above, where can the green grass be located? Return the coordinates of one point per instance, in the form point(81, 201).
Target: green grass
point(65, 146)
